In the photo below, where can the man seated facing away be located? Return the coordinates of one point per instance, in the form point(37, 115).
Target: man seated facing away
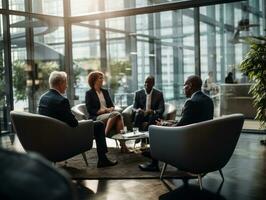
point(198, 107)
point(54, 104)
point(148, 105)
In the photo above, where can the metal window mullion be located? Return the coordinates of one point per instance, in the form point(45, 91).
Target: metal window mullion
point(229, 47)
point(197, 41)
point(158, 51)
point(7, 63)
point(103, 41)
point(68, 58)
point(211, 43)
point(178, 62)
point(131, 45)
point(30, 59)
point(151, 44)
point(222, 43)
point(149, 9)
point(264, 15)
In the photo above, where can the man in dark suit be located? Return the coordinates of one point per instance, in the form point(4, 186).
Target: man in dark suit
point(54, 104)
point(148, 105)
point(198, 107)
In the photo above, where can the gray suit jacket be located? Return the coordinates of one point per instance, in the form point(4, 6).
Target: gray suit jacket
point(157, 101)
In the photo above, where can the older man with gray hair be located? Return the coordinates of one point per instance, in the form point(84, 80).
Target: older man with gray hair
point(54, 104)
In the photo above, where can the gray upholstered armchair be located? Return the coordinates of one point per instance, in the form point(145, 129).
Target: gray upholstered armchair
point(169, 114)
point(80, 111)
point(197, 148)
point(53, 139)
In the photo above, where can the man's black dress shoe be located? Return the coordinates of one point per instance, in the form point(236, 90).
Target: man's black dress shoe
point(149, 167)
point(106, 163)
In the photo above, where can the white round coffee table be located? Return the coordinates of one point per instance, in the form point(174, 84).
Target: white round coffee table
point(131, 136)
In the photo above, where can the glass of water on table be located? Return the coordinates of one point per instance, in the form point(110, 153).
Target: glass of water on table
point(135, 130)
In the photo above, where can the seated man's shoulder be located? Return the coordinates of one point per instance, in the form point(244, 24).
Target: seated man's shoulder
point(140, 91)
point(157, 91)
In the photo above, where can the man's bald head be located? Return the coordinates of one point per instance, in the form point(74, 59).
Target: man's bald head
point(192, 84)
point(149, 83)
point(195, 81)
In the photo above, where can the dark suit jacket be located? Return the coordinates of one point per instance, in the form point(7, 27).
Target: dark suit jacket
point(157, 101)
point(53, 104)
point(197, 109)
point(93, 103)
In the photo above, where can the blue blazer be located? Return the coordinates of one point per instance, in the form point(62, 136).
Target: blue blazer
point(93, 103)
point(53, 104)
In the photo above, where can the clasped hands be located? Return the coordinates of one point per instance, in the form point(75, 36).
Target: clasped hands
point(161, 122)
point(146, 112)
point(107, 110)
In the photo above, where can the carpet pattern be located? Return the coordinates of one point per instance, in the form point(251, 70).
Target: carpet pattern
point(127, 167)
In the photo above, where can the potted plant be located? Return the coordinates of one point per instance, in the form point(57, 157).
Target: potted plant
point(254, 66)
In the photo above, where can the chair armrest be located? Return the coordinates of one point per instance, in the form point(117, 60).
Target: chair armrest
point(80, 138)
point(164, 142)
point(85, 131)
point(78, 114)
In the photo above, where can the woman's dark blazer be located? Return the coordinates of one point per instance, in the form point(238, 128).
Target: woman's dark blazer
point(93, 103)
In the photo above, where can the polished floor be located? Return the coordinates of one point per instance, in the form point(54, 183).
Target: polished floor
point(245, 179)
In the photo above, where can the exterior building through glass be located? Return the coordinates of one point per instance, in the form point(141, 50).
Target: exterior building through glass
point(127, 40)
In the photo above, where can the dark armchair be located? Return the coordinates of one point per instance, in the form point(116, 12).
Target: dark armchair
point(197, 148)
point(53, 139)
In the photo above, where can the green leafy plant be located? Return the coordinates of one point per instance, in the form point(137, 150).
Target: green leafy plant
point(118, 69)
point(20, 77)
point(43, 72)
point(19, 80)
point(254, 66)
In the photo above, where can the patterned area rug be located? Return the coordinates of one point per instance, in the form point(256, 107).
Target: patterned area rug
point(127, 167)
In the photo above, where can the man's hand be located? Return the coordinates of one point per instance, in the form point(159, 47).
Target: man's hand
point(139, 110)
point(149, 111)
point(161, 122)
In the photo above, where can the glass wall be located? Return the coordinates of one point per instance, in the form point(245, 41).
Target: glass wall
point(83, 7)
point(22, 85)
point(86, 55)
point(171, 45)
point(36, 50)
point(48, 7)
point(3, 89)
